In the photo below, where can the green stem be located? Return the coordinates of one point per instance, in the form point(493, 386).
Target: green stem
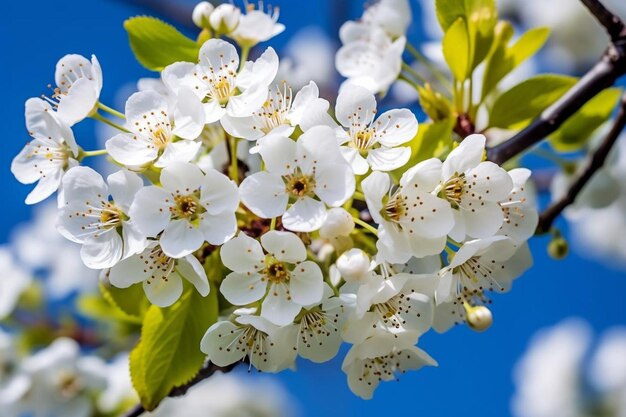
point(406, 67)
point(245, 51)
point(365, 225)
point(429, 65)
point(409, 81)
point(87, 154)
point(358, 196)
point(111, 111)
point(234, 168)
point(273, 223)
point(99, 117)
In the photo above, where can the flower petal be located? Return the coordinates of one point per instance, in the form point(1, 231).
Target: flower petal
point(219, 228)
point(131, 150)
point(305, 215)
point(243, 254)
point(163, 291)
point(190, 268)
point(102, 250)
point(182, 177)
point(465, 156)
point(356, 107)
point(278, 307)
point(181, 151)
point(150, 210)
point(395, 127)
point(284, 246)
point(218, 193)
point(388, 159)
point(307, 283)
point(241, 289)
point(264, 194)
point(180, 239)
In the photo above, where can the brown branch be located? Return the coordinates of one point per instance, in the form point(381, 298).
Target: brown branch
point(595, 163)
point(205, 372)
point(602, 75)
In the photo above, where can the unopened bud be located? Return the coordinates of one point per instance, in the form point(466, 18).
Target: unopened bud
point(225, 18)
point(353, 265)
point(479, 318)
point(558, 248)
point(201, 14)
point(338, 223)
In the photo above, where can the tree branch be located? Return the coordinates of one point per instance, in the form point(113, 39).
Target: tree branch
point(602, 75)
point(595, 163)
point(205, 372)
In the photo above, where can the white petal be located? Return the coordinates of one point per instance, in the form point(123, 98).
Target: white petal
point(241, 127)
point(218, 193)
point(262, 72)
point(395, 127)
point(179, 74)
point(264, 194)
point(134, 240)
point(284, 246)
point(141, 104)
point(317, 115)
point(490, 181)
point(131, 150)
point(189, 115)
point(219, 228)
point(180, 239)
point(241, 289)
point(47, 185)
point(464, 157)
point(388, 159)
point(483, 220)
point(278, 153)
point(303, 99)
point(163, 292)
point(426, 175)
point(102, 251)
point(334, 184)
point(243, 254)
point(356, 107)
point(305, 215)
point(375, 188)
point(357, 162)
point(128, 272)
point(220, 343)
point(246, 103)
point(123, 185)
point(181, 151)
point(150, 210)
point(79, 102)
point(427, 215)
point(182, 176)
point(190, 268)
point(277, 307)
point(307, 283)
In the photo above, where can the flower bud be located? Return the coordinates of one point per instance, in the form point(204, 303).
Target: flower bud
point(338, 223)
point(558, 248)
point(354, 265)
point(201, 14)
point(225, 18)
point(479, 318)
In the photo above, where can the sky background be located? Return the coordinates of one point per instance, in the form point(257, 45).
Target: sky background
point(475, 370)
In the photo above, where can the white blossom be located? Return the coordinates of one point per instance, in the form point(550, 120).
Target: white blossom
point(281, 275)
point(394, 16)
point(14, 281)
point(301, 178)
point(381, 357)
point(152, 134)
point(338, 223)
point(52, 151)
point(213, 88)
point(225, 18)
point(256, 26)
point(201, 14)
point(519, 208)
point(189, 207)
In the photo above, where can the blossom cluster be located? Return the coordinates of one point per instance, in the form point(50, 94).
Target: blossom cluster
point(330, 230)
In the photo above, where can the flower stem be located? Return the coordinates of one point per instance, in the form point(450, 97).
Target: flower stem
point(87, 154)
point(429, 65)
point(358, 196)
point(365, 225)
point(104, 120)
point(234, 168)
point(273, 223)
point(245, 51)
point(409, 81)
point(409, 69)
point(111, 111)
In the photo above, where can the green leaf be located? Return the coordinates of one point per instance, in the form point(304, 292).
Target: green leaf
point(480, 19)
point(504, 58)
point(516, 107)
point(576, 131)
point(157, 44)
point(432, 139)
point(130, 301)
point(168, 354)
point(434, 104)
point(456, 49)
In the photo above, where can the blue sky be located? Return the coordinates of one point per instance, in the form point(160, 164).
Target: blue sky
point(474, 373)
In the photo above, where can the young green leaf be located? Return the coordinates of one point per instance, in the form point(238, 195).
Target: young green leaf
point(576, 131)
point(432, 139)
point(168, 354)
point(157, 44)
point(434, 104)
point(456, 49)
point(518, 106)
point(130, 301)
point(505, 59)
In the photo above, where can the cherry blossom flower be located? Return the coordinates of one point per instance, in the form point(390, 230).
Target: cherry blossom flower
point(52, 151)
point(411, 221)
point(79, 82)
point(380, 358)
point(202, 13)
point(394, 16)
point(100, 224)
point(520, 211)
point(280, 113)
point(212, 88)
point(161, 275)
point(281, 275)
point(338, 223)
point(15, 280)
point(368, 57)
point(189, 208)
point(268, 347)
point(225, 18)
point(152, 134)
point(256, 26)
point(368, 142)
point(304, 175)
point(394, 303)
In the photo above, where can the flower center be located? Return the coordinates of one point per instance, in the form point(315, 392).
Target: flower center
point(300, 185)
point(59, 155)
point(395, 208)
point(161, 138)
point(363, 140)
point(186, 207)
point(276, 272)
point(222, 88)
point(275, 109)
point(68, 384)
point(453, 189)
point(110, 217)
